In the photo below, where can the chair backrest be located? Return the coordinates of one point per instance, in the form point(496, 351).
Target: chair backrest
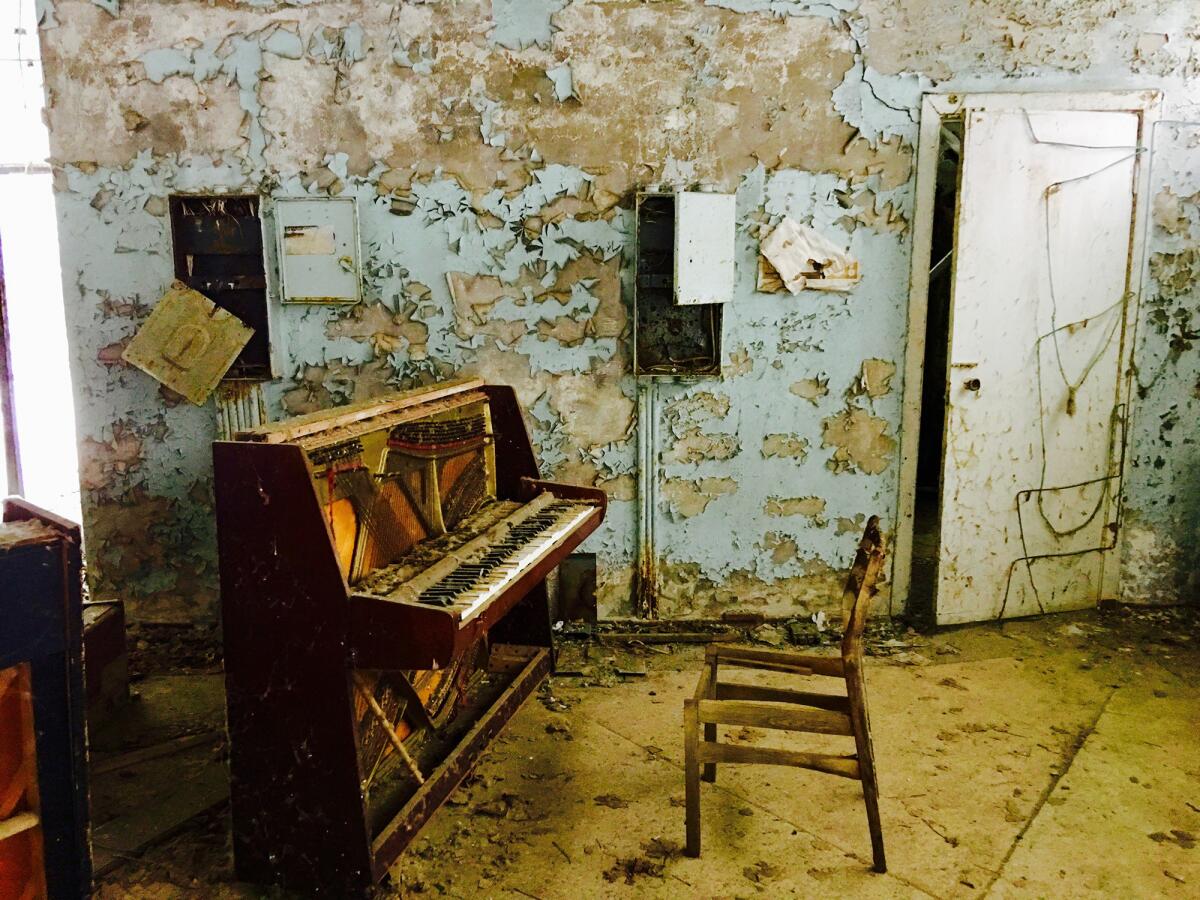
point(860, 587)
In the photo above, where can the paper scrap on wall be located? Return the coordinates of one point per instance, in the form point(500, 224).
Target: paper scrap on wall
point(188, 342)
point(804, 259)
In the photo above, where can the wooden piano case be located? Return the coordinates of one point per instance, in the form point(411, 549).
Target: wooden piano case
point(324, 678)
point(43, 776)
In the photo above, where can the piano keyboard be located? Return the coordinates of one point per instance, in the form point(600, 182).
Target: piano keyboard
point(470, 577)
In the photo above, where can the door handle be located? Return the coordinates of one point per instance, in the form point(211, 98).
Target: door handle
point(973, 384)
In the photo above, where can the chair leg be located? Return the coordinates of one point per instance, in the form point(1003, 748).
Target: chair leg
point(871, 800)
point(866, 770)
point(691, 775)
point(710, 736)
point(710, 728)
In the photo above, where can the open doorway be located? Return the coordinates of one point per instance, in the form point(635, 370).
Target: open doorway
point(921, 608)
point(41, 460)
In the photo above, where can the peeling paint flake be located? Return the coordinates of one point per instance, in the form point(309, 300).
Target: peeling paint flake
point(783, 549)
point(811, 507)
point(860, 440)
point(810, 389)
point(694, 446)
point(687, 498)
point(784, 446)
point(880, 106)
point(833, 9)
point(523, 23)
point(563, 81)
point(346, 45)
point(875, 378)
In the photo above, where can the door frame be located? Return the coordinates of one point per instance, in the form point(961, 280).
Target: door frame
point(934, 108)
point(8, 404)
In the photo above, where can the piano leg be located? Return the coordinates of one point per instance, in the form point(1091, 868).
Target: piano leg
point(528, 623)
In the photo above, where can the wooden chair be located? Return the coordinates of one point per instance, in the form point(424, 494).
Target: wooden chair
point(725, 703)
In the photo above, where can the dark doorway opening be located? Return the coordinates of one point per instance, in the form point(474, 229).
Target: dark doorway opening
point(921, 610)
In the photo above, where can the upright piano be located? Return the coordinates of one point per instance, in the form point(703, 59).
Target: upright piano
point(385, 612)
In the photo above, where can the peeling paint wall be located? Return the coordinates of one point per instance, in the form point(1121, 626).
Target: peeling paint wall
point(493, 149)
point(1161, 536)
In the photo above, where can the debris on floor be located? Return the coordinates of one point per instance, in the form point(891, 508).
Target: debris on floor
point(582, 794)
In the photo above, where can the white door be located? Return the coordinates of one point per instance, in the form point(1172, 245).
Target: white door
point(1037, 326)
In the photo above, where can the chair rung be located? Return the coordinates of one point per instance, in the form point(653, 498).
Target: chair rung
point(767, 666)
point(776, 660)
point(770, 715)
point(845, 766)
point(728, 690)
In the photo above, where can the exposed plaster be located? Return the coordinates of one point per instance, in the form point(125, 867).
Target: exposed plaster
point(812, 507)
point(690, 498)
point(811, 389)
point(784, 445)
point(860, 442)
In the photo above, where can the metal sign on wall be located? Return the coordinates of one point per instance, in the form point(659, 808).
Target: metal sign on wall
point(188, 342)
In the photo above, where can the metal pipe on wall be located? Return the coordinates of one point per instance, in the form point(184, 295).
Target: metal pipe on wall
point(646, 589)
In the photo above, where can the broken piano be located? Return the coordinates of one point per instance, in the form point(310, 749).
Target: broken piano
point(385, 612)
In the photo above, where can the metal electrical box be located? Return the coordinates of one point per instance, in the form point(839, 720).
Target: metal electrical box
point(684, 275)
point(318, 250)
point(217, 245)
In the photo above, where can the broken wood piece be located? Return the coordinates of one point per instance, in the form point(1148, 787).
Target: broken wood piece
point(388, 729)
point(145, 754)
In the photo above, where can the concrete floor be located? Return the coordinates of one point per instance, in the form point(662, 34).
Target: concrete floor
point(1050, 758)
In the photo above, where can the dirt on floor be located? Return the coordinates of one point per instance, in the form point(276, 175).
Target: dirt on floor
point(1054, 757)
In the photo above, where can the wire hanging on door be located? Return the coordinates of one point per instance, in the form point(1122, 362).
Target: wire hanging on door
point(1116, 419)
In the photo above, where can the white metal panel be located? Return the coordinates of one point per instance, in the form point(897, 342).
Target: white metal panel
point(705, 227)
point(1033, 257)
point(318, 249)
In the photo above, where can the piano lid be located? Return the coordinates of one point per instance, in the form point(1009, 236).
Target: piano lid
point(356, 416)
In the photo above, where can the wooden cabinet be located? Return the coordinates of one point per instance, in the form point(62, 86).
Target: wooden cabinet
point(43, 777)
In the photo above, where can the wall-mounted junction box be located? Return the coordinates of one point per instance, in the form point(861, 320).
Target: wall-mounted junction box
point(318, 250)
point(217, 242)
point(684, 275)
